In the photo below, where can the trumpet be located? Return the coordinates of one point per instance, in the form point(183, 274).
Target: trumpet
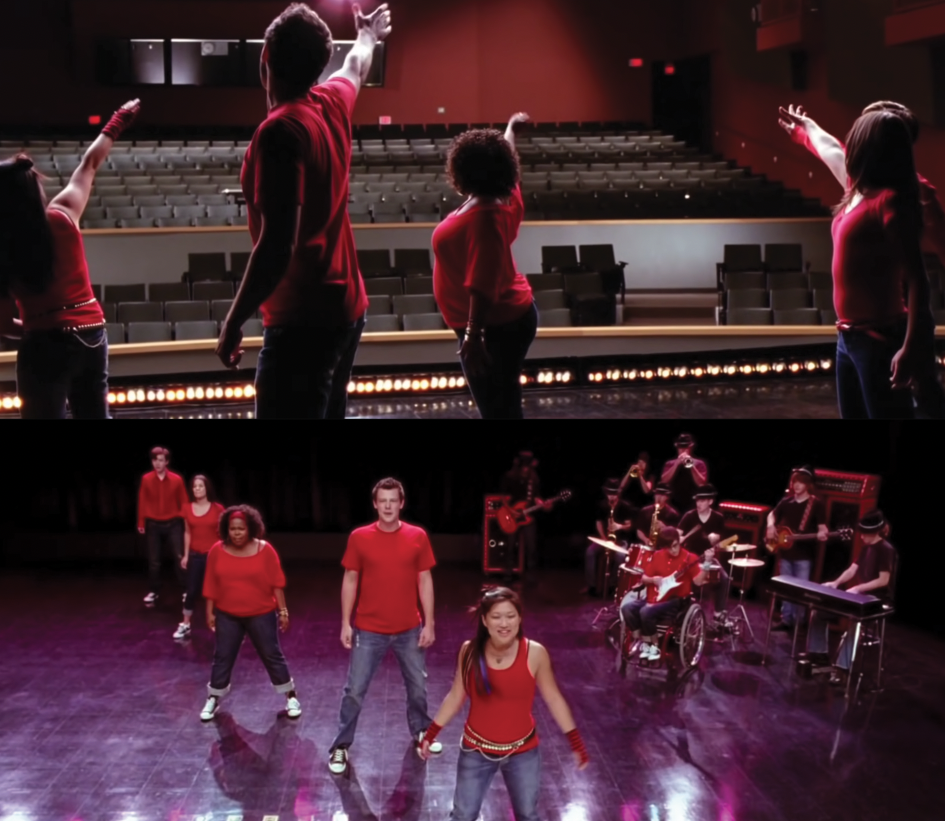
point(636, 471)
point(688, 462)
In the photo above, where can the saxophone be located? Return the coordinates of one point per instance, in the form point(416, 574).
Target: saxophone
point(655, 524)
point(611, 528)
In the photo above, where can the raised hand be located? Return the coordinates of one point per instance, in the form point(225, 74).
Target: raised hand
point(518, 121)
point(795, 122)
point(376, 23)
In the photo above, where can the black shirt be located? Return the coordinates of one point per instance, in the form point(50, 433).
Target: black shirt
point(521, 489)
point(875, 559)
point(789, 513)
point(623, 512)
point(698, 542)
point(668, 515)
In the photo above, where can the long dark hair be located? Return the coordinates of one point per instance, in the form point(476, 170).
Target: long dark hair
point(211, 491)
point(26, 241)
point(474, 654)
point(879, 155)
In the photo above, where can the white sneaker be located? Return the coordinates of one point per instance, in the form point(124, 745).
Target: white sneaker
point(654, 653)
point(151, 598)
point(182, 631)
point(435, 746)
point(210, 708)
point(293, 709)
point(338, 761)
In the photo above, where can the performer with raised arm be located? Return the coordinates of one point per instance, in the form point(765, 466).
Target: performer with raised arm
point(62, 360)
point(478, 287)
point(498, 671)
point(387, 570)
point(303, 271)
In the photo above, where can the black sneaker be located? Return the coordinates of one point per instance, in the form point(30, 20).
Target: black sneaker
point(338, 761)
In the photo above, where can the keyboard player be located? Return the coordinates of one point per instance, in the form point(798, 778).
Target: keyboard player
point(870, 574)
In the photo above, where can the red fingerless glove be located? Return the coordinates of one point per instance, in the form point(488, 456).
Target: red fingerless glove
point(577, 745)
point(121, 120)
point(432, 732)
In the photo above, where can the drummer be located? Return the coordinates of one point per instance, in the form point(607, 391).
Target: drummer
point(704, 525)
point(614, 521)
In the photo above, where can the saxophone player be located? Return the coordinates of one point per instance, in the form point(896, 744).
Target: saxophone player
point(659, 514)
point(614, 521)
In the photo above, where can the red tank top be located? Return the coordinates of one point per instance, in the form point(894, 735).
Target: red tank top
point(70, 286)
point(505, 714)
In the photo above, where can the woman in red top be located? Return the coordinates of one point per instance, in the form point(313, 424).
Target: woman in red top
point(499, 670)
point(63, 355)
point(244, 588)
point(201, 517)
point(883, 345)
point(481, 294)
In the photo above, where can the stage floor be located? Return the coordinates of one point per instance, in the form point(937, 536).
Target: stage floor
point(98, 719)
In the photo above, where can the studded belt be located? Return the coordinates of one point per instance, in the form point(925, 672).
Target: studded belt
point(473, 739)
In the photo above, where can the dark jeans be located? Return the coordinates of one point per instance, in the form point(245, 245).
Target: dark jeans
point(367, 652)
point(196, 568)
point(263, 632)
point(498, 392)
point(303, 373)
point(863, 371)
point(169, 534)
point(638, 615)
point(55, 367)
point(474, 774)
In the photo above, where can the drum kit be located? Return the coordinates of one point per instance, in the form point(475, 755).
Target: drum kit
point(629, 573)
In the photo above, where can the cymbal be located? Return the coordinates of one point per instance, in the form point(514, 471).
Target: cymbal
point(609, 545)
point(747, 563)
point(736, 548)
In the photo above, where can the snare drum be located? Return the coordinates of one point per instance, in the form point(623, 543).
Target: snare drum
point(628, 578)
point(713, 573)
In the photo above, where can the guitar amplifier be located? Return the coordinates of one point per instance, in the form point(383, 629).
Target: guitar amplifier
point(501, 552)
point(748, 522)
point(847, 497)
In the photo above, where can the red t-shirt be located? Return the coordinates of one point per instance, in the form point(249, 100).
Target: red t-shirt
point(387, 565)
point(473, 252)
point(204, 530)
point(243, 585)
point(868, 245)
point(504, 715)
point(662, 564)
point(323, 285)
point(161, 499)
point(70, 285)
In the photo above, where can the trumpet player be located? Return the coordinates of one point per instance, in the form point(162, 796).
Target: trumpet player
point(685, 474)
point(637, 483)
point(614, 521)
point(659, 514)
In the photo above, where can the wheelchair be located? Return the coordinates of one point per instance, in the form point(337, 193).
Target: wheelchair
point(682, 638)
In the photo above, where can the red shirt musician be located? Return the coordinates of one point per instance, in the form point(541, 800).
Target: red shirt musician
point(499, 670)
point(669, 576)
point(245, 591)
point(162, 497)
point(201, 517)
point(303, 271)
point(63, 354)
point(387, 570)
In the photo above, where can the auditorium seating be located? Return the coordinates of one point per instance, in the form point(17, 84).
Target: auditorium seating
point(570, 171)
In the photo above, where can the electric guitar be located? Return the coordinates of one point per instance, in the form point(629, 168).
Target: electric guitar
point(511, 517)
point(785, 537)
point(667, 583)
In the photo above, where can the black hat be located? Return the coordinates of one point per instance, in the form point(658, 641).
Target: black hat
point(872, 521)
point(612, 487)
point(662, 489)
point(684, 440)
point(526, 458)
point(707, 491)
point(805, 472)
point(666, 536)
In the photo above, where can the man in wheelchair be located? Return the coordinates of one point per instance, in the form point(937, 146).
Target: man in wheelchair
point(668, 576)
point(872, 573)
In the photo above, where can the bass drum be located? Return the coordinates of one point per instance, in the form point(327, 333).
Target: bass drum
point(629, 581)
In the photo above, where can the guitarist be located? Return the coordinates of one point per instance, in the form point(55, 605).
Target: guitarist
point(616, 513)
point(704, 526)
point(640, 615)
point(804, 514)
point(521, 484)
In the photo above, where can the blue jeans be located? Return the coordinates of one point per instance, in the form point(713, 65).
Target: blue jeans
point(498, 392)
point(817, 641)
point(196, 568)
point(56, 367)
point(263, 632)
point(863, 371)
point(474, 773)
point(799, 569)
point(367, 652)
point(638, 615)
point(168, 533)
point(303, 373)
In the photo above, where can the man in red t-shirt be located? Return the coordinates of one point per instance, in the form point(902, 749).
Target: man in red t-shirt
point(303, 271)
point(387, 568)
point(669, 561)
point(161, 498)
point(929, 395)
